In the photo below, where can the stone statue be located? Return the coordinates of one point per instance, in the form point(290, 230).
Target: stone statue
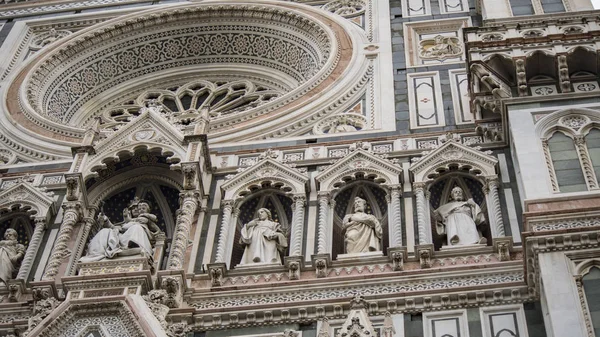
point(263, 240)
point(363, 231)
point(11, 254)
point(135, 235)
point(458, 220)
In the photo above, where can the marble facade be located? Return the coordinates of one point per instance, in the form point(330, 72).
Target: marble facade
point(300, 164)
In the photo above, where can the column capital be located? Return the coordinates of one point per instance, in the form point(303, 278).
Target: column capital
point(299, 198)
point(419, 185)
point(227, 203)
point(40, 221)
point(491, 182)
point(324, 194)
point(191, 194)
point(395, 187)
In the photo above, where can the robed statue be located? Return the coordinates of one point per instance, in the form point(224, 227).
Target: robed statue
point(458, 220)
point(363, 231)
point(11, 254)
point(134, 236)
point(263, 240)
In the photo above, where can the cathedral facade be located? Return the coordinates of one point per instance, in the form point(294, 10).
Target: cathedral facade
point(299, 168)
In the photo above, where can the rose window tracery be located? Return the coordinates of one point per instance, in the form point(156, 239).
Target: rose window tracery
point(346, 8)
point(267, 69)
point(134, 56)
point(223, 97)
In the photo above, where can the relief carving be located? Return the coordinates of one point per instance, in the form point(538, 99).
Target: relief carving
point(440, 47)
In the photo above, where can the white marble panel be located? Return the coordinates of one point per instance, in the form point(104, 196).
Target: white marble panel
point(416, 7)
point(560, 297)
point(425, 100)
point(503, 320)
point(454, 6)
point(445, 324)
point(460, 96)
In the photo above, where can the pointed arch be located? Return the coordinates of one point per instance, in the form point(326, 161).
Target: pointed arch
point(365, 169)
point(451, 163)
point(148, 132)
point(267, 176)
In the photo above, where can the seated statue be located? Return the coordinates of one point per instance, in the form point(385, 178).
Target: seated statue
point(135, 235)
point(139, 228)
point(11, 254)
point(263, 240)
point(363, 231)
point(458, 220)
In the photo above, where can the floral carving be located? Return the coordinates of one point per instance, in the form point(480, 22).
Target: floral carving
point(346, 8)
point(574, 122)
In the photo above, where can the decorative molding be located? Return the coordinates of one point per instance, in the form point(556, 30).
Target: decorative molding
point(378, 289)
point(36, 10)
point(563, 224)
point(553, 242)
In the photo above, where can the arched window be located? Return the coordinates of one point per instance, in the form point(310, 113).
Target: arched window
point(565, 161)
point(571, 145)
point(591, 287)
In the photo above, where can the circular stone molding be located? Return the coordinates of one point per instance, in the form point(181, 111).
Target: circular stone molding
point(306, 49)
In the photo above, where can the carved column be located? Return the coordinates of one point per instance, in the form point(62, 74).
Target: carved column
point(82, 239)
point(227, 206)
point(322, 230)
point(72, 214)
point(584, 306)
point(550, 166)
point(423, 221)
point(235, 214)
point(494, 208)
point(297, 225)
point(185, 218)
point(34, 245)
point(586, 162)
point(395, 225)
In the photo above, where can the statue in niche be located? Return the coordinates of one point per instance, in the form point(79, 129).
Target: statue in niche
point(134, 236)
point(363, 231)
point(458, 220)
point(11, 254)
point(263, 239)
